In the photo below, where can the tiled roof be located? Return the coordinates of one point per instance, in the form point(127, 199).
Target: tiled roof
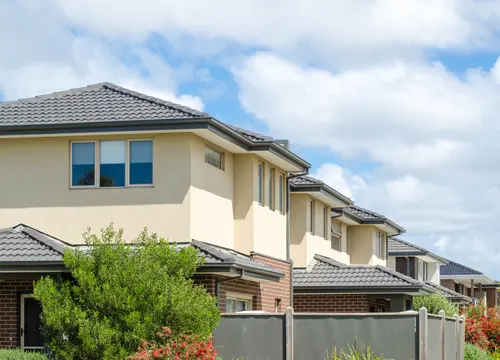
point(328, 273)
point(401, 247)
point(365, 216)
point(300, 183)
point(448, 293)
point(363, 213)
point(305, 180)
point(103, 102)
point(22, 244)
point(453, 268)
point(218, 255)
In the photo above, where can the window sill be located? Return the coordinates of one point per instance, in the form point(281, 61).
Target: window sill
point(110, 187)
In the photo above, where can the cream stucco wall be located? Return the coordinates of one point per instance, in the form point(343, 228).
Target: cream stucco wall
point(391, 262)
point(305, 245)
point(363, 243)
point(434, 274)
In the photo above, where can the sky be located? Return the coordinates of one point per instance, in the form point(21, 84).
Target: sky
point(394, 103)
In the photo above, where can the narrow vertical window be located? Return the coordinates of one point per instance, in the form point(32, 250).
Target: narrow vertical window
point(271, 189)
point(83, 164)
point(336, 236)
point(325, 222)
point(281, 203)
point(260, 179)
point(311, 217)
point(112, 164)
point(141, 162)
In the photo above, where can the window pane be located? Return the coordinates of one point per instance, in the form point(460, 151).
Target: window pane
point(230, 306)
point(141, 162)
point(336, 242)
point(112, 165)
point(83, 164)
point(271, 189)
point(281, 194)
point(311, 217)
point(261, 183)
point(241, 305)
point(213, 157)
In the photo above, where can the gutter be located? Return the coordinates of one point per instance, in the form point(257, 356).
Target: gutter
point(218, 282)
point(288, 257)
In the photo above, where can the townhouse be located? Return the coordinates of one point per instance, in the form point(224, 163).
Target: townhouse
point(100, 154)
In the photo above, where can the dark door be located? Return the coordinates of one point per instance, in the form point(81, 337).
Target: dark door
point(31, 337)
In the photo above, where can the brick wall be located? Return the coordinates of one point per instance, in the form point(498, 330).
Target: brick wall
point(264, 295)
point(449, 284)
point(355, 303)
point(9, 310)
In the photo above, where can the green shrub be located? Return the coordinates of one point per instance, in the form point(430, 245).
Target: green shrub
point(121, 294)
point(434, 303)
point(473, 352)
point(355, 353)
point(20, 355)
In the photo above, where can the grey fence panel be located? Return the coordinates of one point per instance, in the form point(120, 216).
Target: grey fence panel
point(449, 339)
point(434, 337)
point(251, 337)
point(393, 336)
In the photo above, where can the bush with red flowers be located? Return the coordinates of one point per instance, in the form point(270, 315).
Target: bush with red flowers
point(176, 347)
point(482, 327)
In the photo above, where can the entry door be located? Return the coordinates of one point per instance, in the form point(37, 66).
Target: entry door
point(31, 337)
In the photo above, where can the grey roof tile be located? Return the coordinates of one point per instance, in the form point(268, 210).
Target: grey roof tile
point(305, 180)
point(103, 102)
point(300, 183)
point(401, 247)
point(218, 255)
point(453, 268)
point(448, 293)
point(364, 213)
point(22, 244)
point(328, 273)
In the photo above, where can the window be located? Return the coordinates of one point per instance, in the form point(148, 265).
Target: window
point(281, 195)
point(336, 235)
point(380, 245)
point(83, 164)
point(236, 305)
point(271, 189)
point(422, 270)
point(426, 271)
point(141, 162)
point(260, 179)
point(214, 158)
point(112, 164)
point(277, 305)
point(348, 241)
point(325, 222)
point(311, 216)
point(120, 163)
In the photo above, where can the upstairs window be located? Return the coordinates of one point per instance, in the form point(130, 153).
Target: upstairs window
point(325, 222)
point(423, 271)
point(281, 195)
point(260, 179)
point(119, 163)
point(311, 216)
point(271, 189)
point(83, 164)
point(214, 158)
point(336, 236)
point(348, 241)
point(380, 245)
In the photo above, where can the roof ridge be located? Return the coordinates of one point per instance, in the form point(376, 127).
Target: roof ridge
point(330, 261)
point(368, 211)
point(464, 266)
point(210, 249)
point(44, 239)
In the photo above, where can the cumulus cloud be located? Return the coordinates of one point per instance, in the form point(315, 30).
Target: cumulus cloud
point(340, 179)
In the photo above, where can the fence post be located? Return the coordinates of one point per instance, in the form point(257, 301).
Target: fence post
point(457, 336)
point(443, 324)
point(461, 345)
point(422, 324)
point(289, 332)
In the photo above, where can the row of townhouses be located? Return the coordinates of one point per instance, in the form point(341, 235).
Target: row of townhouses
point(271, 235)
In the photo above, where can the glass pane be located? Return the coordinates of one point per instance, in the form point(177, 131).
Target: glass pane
point(32, 334)
point(336, 227)
point(112, 163)
point(281, 194)
point(260, 180)
point(83, 164)
point(271, 189)
point(141, 162)
point(336, 242)
point(230, 306)
point(241, 305)
point(213, 157)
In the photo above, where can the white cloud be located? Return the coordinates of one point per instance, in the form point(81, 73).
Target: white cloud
point(340, 179)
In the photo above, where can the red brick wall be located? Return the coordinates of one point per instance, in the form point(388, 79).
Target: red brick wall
point(355, 303)
point(10, 293)
point(264, 294)
point(449, 284)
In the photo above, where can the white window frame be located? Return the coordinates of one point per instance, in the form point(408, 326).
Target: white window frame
point(336, 234)
point(220, 152)
point(271, 185)
point(21, 324)
point(380, 246)
point(312, 216)
point(248, 299)
point(261, 194)
point(97, 164)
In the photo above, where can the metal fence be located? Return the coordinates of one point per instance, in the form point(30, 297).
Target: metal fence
point(302, 336)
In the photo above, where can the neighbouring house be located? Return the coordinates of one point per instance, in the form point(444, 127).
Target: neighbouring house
point(422, 265)
point(339, 252)
point(472, 283)
point(102, 153)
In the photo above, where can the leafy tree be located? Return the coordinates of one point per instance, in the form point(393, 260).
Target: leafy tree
point(434, 303)
point(121, 293)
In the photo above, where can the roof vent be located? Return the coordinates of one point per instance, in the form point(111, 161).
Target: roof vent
point(284, 143)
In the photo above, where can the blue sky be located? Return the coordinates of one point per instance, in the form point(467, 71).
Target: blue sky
point(394, 103)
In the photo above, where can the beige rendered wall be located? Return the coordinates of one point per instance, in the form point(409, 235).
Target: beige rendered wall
point(434, 273)
point(35, 190)
point(391, 262)
point(298, 229)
